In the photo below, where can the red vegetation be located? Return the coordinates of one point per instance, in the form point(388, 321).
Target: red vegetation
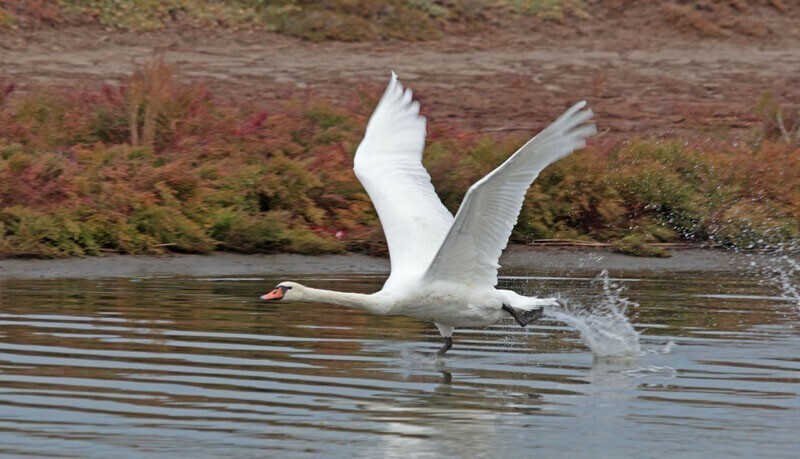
point(153, 165)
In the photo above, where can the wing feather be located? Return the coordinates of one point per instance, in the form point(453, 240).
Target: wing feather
point(388, 163)
point(471, 250)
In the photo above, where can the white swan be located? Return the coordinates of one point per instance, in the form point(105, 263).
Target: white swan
point(444, 268)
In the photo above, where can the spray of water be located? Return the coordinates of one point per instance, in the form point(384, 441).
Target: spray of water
point(787, 277)
point(604, 325)
point(782, 269)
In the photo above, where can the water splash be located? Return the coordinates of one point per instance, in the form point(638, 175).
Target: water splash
point(604, 326)
point(787, 277)
point(665, 349)
point(782, 269)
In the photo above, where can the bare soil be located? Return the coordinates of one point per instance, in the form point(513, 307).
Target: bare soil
point(641, 75)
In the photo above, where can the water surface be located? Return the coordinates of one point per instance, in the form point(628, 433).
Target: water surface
point(196, 367)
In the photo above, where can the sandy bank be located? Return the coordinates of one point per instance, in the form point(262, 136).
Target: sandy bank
point(228, 264)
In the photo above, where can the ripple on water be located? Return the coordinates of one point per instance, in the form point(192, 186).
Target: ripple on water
point(199, 367)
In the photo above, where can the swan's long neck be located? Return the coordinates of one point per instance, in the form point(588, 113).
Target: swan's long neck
point(370, 303)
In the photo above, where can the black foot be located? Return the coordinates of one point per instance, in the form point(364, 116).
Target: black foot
point(448, 343)
point(447, 377)
point(524, 317)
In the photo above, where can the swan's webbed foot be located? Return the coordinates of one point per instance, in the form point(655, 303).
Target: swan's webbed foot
point(448, 343)
point(524, 317)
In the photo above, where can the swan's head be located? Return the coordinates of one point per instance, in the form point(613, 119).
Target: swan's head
point(291, 291)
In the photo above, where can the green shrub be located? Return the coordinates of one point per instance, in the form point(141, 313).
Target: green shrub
point(34, 233)
point(82, 172)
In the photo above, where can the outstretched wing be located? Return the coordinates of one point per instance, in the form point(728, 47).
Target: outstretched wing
point(483, 224)
point(389, 165)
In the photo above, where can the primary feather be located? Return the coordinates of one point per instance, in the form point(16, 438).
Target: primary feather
point(388, 163)
point(471, 251)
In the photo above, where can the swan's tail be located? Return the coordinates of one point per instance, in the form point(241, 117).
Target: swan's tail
point(527, 303)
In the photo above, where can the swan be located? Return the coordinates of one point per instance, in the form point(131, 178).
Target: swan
point(444, 267)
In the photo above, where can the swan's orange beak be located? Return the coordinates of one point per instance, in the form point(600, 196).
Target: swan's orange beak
point(276, 294)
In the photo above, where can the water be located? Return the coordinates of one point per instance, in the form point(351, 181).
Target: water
point(602, 321)
point(782, 270)
point(166, 367)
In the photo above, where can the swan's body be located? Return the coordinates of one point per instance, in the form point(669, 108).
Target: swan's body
point(444, 267)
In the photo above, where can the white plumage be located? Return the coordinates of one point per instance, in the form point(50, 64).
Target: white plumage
point(444, 268)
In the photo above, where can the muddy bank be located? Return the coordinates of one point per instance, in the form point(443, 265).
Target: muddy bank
point(517, 258)
point(653, 84)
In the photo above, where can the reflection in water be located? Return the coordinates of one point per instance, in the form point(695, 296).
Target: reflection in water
point(198, 367)
point(433, 425)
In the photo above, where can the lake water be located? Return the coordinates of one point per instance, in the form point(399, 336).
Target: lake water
point(197, 367)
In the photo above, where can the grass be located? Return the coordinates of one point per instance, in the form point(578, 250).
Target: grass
point(314, 20)
point(719, 18)
point(369, 20)
point(552, 10)
point(154, 165)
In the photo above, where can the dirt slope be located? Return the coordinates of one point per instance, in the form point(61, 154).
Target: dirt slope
point(642, 75)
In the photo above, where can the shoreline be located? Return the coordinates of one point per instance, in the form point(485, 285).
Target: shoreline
point(516, 257)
